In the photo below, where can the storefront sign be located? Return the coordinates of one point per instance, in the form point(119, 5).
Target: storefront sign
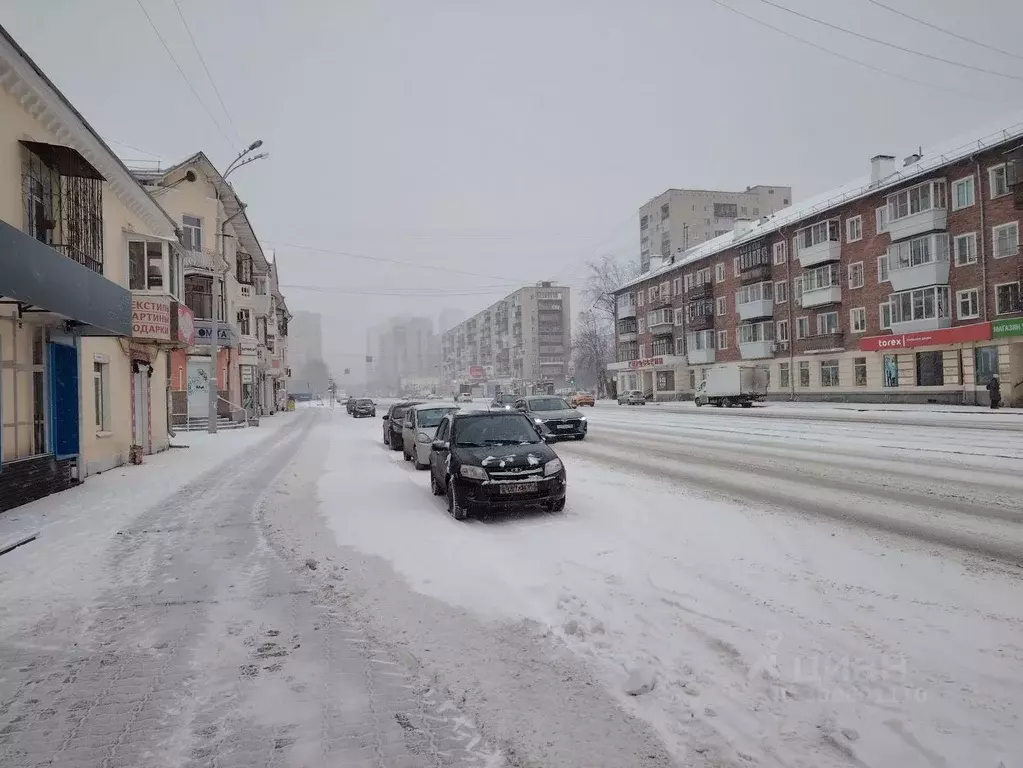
point(182, 323)
point(1001, 329)
point(225, 334)
point(957, 335)
point(476, 371)
point(150, 317)
point(646, 363)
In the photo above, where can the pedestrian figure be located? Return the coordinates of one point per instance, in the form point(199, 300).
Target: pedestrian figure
point(994, 390)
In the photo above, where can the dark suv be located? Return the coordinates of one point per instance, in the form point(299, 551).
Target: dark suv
point(393, 420)
point(494, 460)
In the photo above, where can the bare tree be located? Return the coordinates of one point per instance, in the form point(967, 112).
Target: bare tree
point(594, 342)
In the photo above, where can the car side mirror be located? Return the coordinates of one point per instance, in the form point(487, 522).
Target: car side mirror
point(385, 417)
point(439, 445)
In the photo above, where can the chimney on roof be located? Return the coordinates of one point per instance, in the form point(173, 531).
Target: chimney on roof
point(914, 158)
point(741, 227)
point(881, 167)
point(656, 262)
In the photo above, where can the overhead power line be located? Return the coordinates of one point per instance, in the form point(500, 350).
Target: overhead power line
point(897, 47)
point(206, 69)
point(402, 293)
point(830, 52)
point(183, 75)
point(956, 35)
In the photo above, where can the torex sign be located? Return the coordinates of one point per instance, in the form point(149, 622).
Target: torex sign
point(957, 335)
point(150, 317)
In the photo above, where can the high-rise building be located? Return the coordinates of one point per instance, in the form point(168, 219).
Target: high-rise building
point(403, 347)
point(305, 341)
point(524, 338)
point(679, 219)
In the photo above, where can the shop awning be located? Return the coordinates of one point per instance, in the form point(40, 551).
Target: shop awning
point(42, 279)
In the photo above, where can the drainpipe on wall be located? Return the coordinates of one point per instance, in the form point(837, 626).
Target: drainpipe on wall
point(981, 240)
point(790, 287)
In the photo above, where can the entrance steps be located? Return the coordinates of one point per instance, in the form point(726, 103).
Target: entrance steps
point(201, 423)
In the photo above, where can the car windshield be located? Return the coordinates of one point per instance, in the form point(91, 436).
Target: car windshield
point(499, 429)
point(549, 404)
point(430, 417)
point(364, 402)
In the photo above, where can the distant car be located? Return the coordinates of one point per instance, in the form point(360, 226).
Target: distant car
point(503, 401)
point(363, 407)
point(393, 420)
point(632, 397)
point(576, 399)
point(494, 460)
point(553, 416)
point(418, 429)
point(350, 405)
point(465, 397)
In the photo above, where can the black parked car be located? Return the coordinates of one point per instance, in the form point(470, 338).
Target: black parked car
point(350, 406)
point(393, 420)
point(363, 407)
point(553, 416)
point(494, 460)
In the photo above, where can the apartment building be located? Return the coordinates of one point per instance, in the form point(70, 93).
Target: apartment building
point(90, 295)
point(521, 340)
point(404, 349)
point(279, 372)
point(306, 342)
point(680, 219)
point(224, 271)
point(902, 286)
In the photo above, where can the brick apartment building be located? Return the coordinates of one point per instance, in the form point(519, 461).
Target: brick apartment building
point(900, 287)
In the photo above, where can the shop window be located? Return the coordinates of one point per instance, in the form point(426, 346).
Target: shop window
point(860, 371)
point(891, 370)
point(829, 373)
point(804, 373)
point(930, 369)
point(101, 395)
point(985, 364)
point(784, 375)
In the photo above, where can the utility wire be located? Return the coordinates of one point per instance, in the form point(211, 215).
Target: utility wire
point(398, 293)
point(897, 47)
point(207, 71)
point(108, 140)
point(183, 75)
point(860, 62)
point(956, 35)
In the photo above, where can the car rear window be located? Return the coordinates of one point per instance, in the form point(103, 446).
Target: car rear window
point(549, 404)
point(430, 417)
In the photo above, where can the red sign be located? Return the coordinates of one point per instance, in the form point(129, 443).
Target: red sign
point(644, 363)
point(476, 371)
point(958, 335)
point(184, 325)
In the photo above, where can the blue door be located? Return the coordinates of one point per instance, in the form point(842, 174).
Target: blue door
point(64, 400)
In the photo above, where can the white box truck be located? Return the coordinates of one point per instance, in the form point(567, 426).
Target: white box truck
point(733, 385)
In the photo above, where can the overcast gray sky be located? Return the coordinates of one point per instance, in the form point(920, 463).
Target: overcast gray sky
point(510, 139)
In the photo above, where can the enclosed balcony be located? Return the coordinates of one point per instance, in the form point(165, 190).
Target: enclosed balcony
point(820, 286)
point(625, 309)
point(819, 244)
point(754, 262)
point(824, 342)
point(919, 262)
point(917, 210)
point(755, 301)
point(698, 291)
point(660, 321)
point(700, 348)
point(756, 340)
point(922, 309)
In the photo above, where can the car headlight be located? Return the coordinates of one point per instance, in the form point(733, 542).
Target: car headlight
point(582, 418)
point(474, 473)
point(538, 421)
point(552, 467)
point(422, 437)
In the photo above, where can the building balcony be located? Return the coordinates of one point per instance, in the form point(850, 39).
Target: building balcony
point(628, 336)
point(927, 324)
point(824, 342)
point(754, 350)
point(755, 274)
point(205, 260)
point(821, 253)
point(753, 310)
point(919, 276)
point(831, 294)
point(700, 356)
point(662, 327)
point(700, 291)
point(247, 298)
point(700, 322)
point(935, 219)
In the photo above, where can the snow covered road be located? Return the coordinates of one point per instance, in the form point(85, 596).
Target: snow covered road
point(809, 592)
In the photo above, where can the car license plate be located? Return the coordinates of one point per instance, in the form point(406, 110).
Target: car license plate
point(564, 426)
point(518, 488)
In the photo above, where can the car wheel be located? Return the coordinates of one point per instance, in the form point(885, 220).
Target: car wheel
point(455, 508)
point(556, 506)
point(580, 437)
point(395, 445)
point(435, 486)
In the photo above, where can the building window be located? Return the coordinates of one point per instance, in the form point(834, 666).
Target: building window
point(735, 267)
point(858, 319)
point(641, 324)
point(985, 364)
point(199, 297)
point(998, 181)
point(651, 293)
point(965, 247)
point(665, 246)
point(680, 346)
point(703, 340)
point(802, 327)
point(884, 315)
point(827, 323)
point(890, 364)
point(1007, 299)
point(755, 292)
point(968, 302)
point(882, 269)
point(722, 339)
point(856, 279)
point(829, 373)
point(664, 212)
point(191, 232)
point(100, 383)
point(920, 304)
point(781, 292)
point(779, 252)
point(145, 265)
point(854, 229)
point(962, 193)
point(692, 378)
point(822, 232)
point(719, 273)
point(860, 371)
point(922, 197)
point(644, 222)
point(751, 333)
point(640, 298)
point(243, 270)
point(722, 305)
point(679, 313)
point(1005, 240)
point(784, 375)
point(819, 278)
point(881, 219)
point(804, 373)
point(676, 286)
point(782, 330)
point(930, 369)
point(244, 322)
point(642, 351)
